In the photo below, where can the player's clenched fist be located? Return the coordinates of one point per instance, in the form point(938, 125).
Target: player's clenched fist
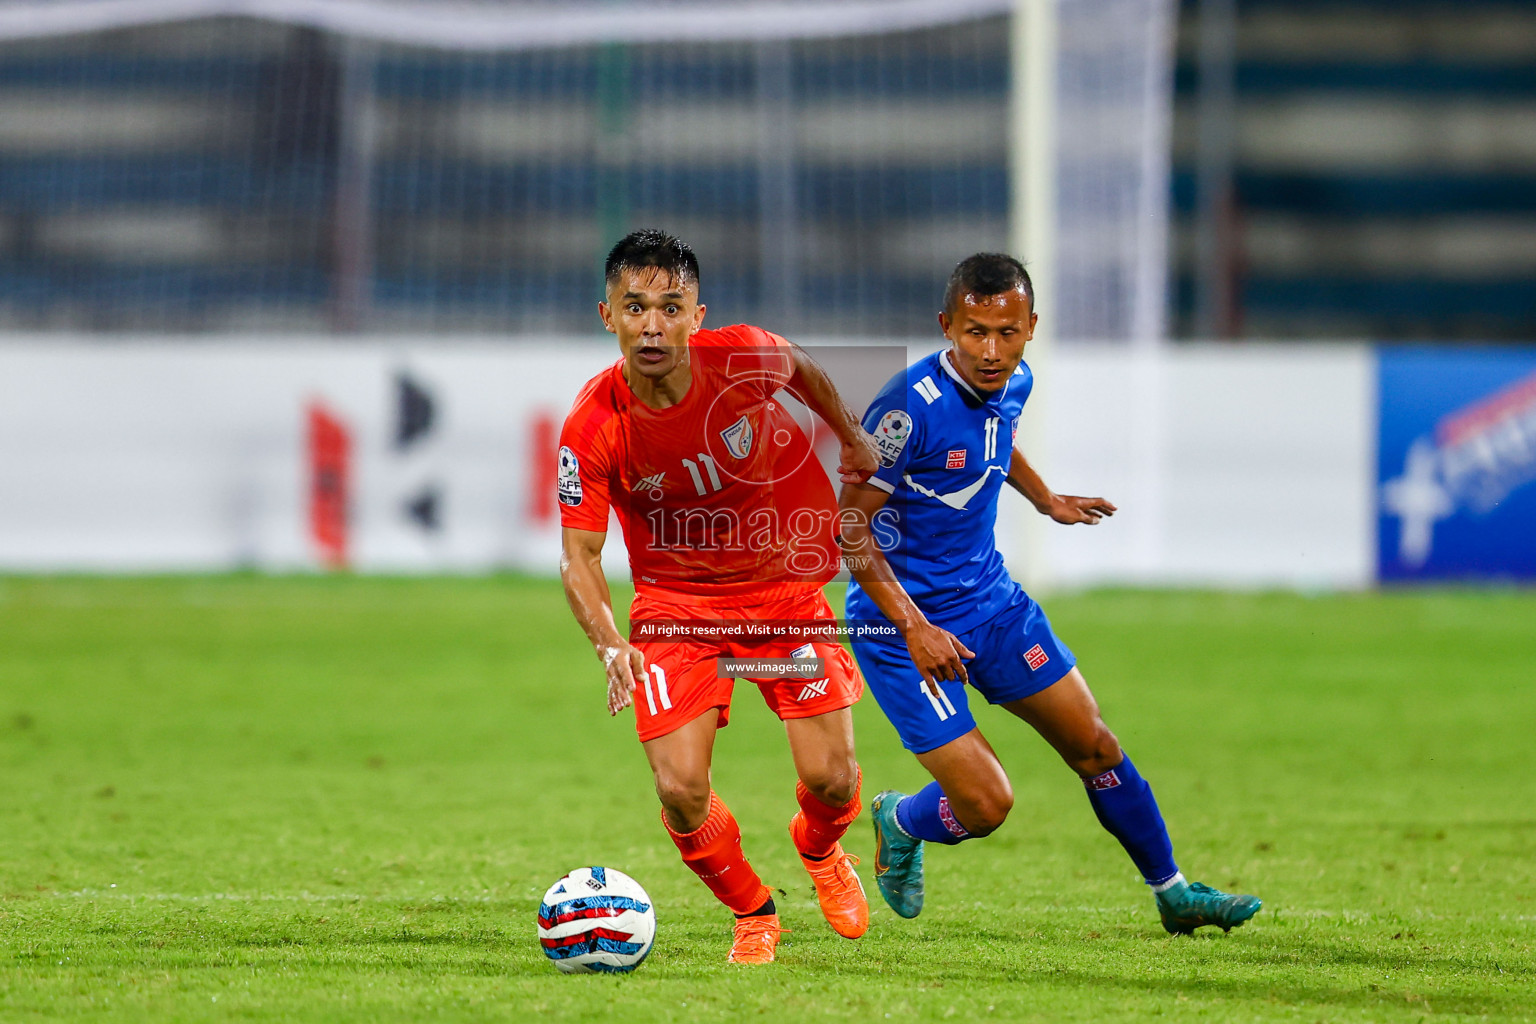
point(859, 459)
point(623, 664)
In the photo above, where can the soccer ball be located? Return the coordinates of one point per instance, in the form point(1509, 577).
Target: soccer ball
point(596, 919)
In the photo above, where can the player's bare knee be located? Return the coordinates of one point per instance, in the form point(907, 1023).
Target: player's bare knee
point(987, 815)
point(984, 811)
point(833, 785)
point(686, 801)
point(1096, 755)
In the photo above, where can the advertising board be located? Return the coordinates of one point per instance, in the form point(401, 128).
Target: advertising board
point(1456, 464)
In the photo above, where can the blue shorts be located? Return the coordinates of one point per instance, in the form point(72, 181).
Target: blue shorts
point(1017, 656)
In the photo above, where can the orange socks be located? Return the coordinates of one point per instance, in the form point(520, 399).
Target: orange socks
point(817, 828)
point(713, 852)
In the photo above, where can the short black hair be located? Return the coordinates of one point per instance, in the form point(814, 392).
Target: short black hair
point(987, 273)
point(650, 247)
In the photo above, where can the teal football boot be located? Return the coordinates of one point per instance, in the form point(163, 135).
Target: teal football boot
point(1190, 905)
point(898, 858)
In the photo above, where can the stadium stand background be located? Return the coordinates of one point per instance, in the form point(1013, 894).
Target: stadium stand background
point(1385, 170)
point(279, 188)
point(185, 178)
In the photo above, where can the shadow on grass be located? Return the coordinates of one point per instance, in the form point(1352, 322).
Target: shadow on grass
point(1406, 989)
point(466, 956)
point(987, 962)
point(1437, 966)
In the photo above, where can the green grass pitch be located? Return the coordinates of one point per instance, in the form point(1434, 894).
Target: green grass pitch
point(341, 798)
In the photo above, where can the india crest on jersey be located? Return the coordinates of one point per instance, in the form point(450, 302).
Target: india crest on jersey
point(891, 435)
point(738, 438)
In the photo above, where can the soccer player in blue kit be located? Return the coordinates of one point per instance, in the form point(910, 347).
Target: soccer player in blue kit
point(918, 541)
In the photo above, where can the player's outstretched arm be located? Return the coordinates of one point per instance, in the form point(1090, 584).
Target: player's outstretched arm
point(859, 457)
point(1064, 508)
point(586, 590)
point(937, 653)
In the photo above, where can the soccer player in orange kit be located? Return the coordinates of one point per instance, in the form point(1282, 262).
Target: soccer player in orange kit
point(730, 522)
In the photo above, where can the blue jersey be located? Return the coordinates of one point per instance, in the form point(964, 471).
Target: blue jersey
point(945, 449)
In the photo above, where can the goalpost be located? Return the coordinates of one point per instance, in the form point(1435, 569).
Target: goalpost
point(1089, 176)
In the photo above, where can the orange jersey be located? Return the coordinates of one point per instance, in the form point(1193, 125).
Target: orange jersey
point(719, 496)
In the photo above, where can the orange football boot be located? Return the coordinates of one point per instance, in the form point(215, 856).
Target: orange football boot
point(756, 938)
point(838, 888)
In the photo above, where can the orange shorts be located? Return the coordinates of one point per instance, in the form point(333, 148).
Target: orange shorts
point(681, 681)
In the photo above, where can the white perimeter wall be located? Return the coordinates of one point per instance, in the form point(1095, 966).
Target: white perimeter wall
point(1238, 466)
point(1232, 466)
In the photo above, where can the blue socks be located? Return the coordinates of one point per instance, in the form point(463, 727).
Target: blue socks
point(1121, 798)
point(926, 815)
point(1128, 811)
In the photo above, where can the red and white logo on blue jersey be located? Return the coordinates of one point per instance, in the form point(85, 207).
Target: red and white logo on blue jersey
point(955, 459)
point(1035, 657)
